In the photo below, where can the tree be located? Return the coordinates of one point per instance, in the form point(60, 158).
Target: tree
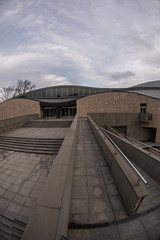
point(12, 91)
point(7, 93)
point(24, 86)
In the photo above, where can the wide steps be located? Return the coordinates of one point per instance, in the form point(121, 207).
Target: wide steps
point(31, 145)
point(11, 229)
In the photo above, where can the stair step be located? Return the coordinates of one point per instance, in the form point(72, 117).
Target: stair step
point(31, 145)
point(34, 139)
point(17, 144)
point(11, 229)
point(30, 151)
point(28, 142)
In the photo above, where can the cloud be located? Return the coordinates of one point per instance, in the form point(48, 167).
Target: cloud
point(122, 75)
point(94, 43)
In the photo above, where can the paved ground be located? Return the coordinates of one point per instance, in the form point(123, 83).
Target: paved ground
point(22, 175)
point(95, 198)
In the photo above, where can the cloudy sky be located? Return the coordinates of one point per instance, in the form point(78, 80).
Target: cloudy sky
point(101, 43)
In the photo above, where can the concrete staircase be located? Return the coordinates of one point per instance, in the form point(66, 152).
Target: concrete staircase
point(31, 145)
point(11, 228)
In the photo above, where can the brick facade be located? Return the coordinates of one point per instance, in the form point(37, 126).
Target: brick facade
point(18, 107)
point(121, 102)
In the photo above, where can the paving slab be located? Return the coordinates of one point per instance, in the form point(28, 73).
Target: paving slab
point(22, 176)
point(96, 200)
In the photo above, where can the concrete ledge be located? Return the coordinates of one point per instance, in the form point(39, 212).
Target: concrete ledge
point(50, 216)
point(147, 161)
point(48, 124)
point(132, 190)
point(15, 123)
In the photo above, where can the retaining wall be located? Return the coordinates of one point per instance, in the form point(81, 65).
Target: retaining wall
point(50, 216)
point(131, 190)
point(147, 161)
point(128, 120)
point(15, 123)
point(48, 124)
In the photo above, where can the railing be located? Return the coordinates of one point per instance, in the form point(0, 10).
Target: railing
point(145, 117)
point(132, 139)
point(119, 150)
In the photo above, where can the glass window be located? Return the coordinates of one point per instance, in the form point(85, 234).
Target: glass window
point(58, 92)
point(65, 92)
point(34, 95)
point(49, 93)
point(29, 94)
point(143, 107)
point(81, 92)
point(38, 94)
point(69, 92)
point(86, 91)
point(75, 91)
point(43, 93)
point(54, 95)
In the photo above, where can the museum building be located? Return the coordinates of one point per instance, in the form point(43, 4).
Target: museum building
point(135, 111)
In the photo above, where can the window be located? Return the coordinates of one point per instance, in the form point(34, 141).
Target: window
point(143, 108)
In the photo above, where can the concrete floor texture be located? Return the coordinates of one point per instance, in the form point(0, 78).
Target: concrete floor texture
point(95, 199)
point(96, 206)
point(22, 175)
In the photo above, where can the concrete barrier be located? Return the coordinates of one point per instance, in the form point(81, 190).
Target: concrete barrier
point(130, 187)
point(145, 160)
point(42, 123)
point(15, 123)
point(50, 216)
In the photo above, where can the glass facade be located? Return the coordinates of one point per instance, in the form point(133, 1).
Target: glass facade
point(63, 92)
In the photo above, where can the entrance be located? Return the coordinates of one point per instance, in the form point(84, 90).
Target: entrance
point(49, 112)
point(59, 112)
point(68, 111)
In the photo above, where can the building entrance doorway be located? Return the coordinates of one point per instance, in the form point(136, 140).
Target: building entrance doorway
point(59, 112)
point(68, 111)
point(49, 112)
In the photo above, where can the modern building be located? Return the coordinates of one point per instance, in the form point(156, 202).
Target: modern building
point(65, 177)
point(135, 110)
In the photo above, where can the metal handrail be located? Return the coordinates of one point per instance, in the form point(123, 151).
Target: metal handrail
point(132, 139)
point(115, 145)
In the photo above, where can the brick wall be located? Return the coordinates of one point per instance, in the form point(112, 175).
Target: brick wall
point(18, 107)
point(121, 102)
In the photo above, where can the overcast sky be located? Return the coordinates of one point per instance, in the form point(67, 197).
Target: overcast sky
point(101, 43)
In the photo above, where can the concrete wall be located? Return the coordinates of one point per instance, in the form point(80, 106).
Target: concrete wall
point(121, 102)
point(50, 217)
point(128, 120)
point(19, 107)
point(40, 123)
point(126, 180)
point(15, 123)
point(147, 161)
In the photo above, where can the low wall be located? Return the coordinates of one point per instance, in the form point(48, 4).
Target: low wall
point(15, 123)
point(147, 161)
point(50, 217)
point(48, 124)
point(129, 120)
point(131, 190)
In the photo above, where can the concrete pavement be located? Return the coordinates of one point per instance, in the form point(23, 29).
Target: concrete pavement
point(95, 199)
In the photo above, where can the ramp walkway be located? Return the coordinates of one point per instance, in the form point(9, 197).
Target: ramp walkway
point(97, 211)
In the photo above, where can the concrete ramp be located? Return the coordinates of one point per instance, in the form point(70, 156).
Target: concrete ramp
point(129, 184)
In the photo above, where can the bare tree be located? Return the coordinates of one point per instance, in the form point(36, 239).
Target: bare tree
point(7, 93)
point(24, 86)
point(12, 91)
